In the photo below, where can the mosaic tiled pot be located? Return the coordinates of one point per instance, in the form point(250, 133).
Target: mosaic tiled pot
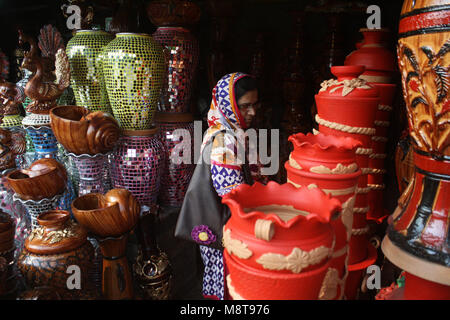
point(134, 71)
point(278, 241)
point(176, 176)
point(183, 55)
point(374, 54)
point(417, 239)
point(347, 107)
point(84, 53)
point(137, 165)
point(52, 248)
point(44, 141)
point(329, 163)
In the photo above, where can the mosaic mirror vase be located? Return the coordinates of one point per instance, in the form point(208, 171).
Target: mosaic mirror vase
point(85, 58)
point(134, 71)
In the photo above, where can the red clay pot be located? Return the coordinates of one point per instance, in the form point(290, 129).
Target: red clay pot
point(374, 55)
point(329, 152)
point(278, 236)
point(417, 288)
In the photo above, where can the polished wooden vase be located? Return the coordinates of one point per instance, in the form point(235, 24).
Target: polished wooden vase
point(417, 239)
point(111, 217)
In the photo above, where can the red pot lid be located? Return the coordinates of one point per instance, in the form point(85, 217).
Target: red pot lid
point(347, 84)
point(373, 52)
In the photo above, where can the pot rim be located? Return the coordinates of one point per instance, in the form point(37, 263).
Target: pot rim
point(320, 141)
point(52, 113)
point(330, 206)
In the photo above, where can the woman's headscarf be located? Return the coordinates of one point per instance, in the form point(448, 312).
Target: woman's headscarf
point(224, 114)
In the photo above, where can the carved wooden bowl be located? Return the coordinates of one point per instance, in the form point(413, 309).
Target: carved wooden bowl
point(83, 132)
point(45, 178)
point(109, 215)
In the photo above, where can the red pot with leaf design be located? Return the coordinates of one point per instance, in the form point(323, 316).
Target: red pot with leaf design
point(329, 163)
point(278, 241)
point(375, 55)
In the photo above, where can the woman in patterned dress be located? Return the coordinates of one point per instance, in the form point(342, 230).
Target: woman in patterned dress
point(234, 104)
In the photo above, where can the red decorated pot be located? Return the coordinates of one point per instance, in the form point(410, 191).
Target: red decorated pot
point(175, 178)
point(329, 163)
point(347, 106)
point(374, 55)
point(278, 241)
point(357, 272)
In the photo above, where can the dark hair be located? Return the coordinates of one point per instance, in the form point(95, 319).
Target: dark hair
point(244, 85)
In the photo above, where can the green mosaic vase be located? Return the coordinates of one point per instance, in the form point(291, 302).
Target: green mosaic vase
point(84, 51)
point(11, 121)
point(134, 71)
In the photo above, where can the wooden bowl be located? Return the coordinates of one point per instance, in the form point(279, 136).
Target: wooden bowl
point(109, 215)
point(45, 178)
point(83, 132)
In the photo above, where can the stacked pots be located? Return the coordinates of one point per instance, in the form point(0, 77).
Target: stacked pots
point(84, 51)
point(87, 137)
point(380, 65)
point(347, 107)
point(51, 252)
point(278, 241)
point(134, 72)
point(329, 163)
point(176, 132)
point(40, 187)
point(417, 239)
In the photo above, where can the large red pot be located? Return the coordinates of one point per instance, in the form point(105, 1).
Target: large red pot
point(329, 163)
point(374, 55)
point(278, 241)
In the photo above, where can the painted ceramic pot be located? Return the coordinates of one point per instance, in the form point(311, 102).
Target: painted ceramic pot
point(278, 241)
point(111, 217)
point(137, 165)
point(404, 162)
point(52, 248)
point(83, 132)
point(374, 55)
point(85, 58)
point(183, 56)
point(176, 176)
point(347, 107)
point(329, 163)
point(417, 238)
point(134, 71)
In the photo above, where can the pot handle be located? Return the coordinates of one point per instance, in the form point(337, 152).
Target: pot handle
point(264, 229)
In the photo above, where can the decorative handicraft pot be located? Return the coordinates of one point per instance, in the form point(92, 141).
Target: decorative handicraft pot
point(329, 163)
point(278, 241)
point(52, 248)
point(137, 165)
point(374, 55)
point(417, 239)
point(85, 58)
point(176, 176)
point(7, 248)
point(182, 51)
point(346, 107)
point(134, 71)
